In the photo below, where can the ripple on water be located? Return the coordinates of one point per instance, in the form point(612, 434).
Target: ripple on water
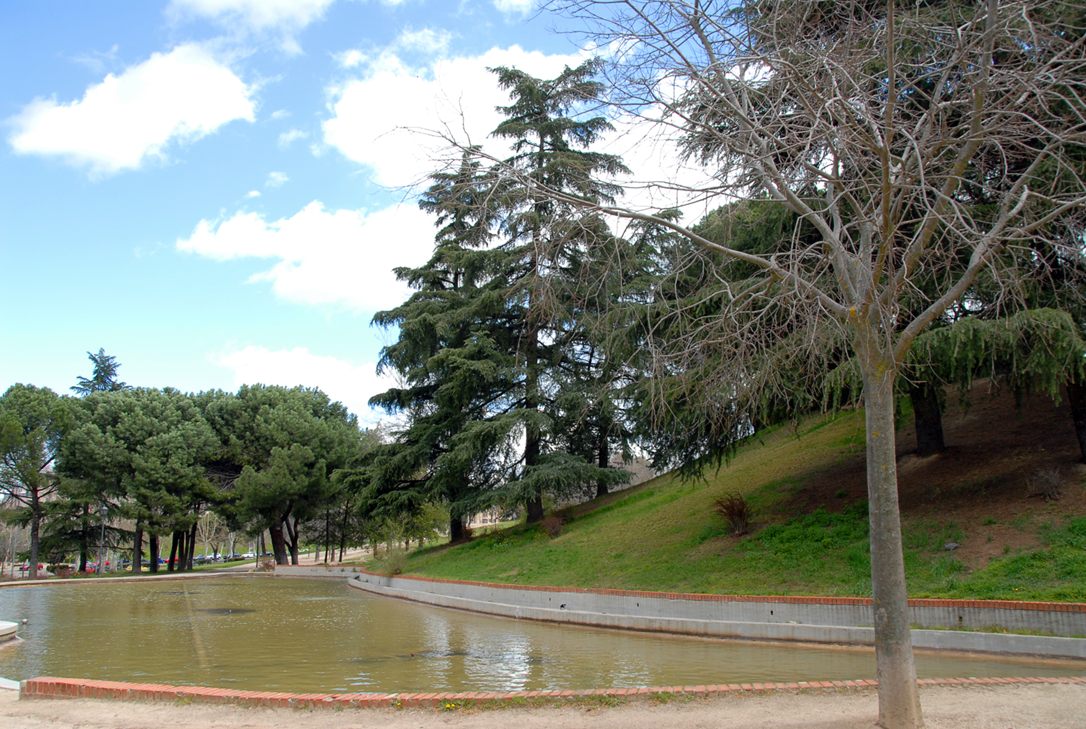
point(320, 635)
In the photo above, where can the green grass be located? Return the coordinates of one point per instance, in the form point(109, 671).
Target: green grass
point(663, 535)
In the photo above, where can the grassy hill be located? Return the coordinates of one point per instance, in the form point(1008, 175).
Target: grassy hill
point(806, 484)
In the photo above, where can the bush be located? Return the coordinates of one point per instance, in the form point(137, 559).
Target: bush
point(553, 525)
point(736, 511)
point(393, 562)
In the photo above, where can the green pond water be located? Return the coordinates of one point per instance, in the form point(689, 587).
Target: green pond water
point(322, 636)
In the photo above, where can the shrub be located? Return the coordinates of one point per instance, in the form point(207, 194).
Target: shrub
point(393, 562)
point(552, 525)
point(736, 511)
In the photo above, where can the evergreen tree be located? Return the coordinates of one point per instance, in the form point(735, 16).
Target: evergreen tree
point(545, 245)
point(145, 450)
point(447, 359)
point(32, 423)
point(276, 451)
point(103, 378)
point(484, 340)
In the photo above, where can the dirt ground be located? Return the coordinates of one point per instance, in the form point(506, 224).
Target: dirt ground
point(994, 447)
point(1032, 706)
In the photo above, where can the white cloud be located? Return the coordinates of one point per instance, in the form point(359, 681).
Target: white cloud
point(510, 7)
point(453, 95)
point(255, 15)
point(340, 380)
point(280, 114)
point(288, 137)
point(276, 179)
point(180, 96)
point(341, 258)
point(426, 40)
point(350, 59)
point(253, 193)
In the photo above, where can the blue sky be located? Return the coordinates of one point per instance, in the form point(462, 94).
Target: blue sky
point(215, 191)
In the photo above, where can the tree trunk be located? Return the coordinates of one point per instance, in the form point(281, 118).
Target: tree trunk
point(292, 538)
point(327, 535)
point(603, 455)
point(153, 540)
point(343, 531)
point(183, 551)
point(263, 547)
point(153, 549)
point(35, 530)
point(84, 538)
point(899, 698)
point(192, 547)
point(456, 529)
point(278, 546)
point(137, 549)
point(532, 437)
point(173, 551)
point(1076, 393)
point(929, 420)
point(531, 455)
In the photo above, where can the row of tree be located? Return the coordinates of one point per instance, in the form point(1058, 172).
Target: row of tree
point(265, 458)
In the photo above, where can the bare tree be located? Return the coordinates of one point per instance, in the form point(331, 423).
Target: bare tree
point(926, 145)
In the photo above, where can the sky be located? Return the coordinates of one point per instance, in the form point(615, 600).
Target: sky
point(216, 191)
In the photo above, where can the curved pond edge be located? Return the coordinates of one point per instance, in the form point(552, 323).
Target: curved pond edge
point(70, 688)
point(941, 625)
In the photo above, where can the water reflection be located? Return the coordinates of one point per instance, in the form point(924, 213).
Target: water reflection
point(320, 635)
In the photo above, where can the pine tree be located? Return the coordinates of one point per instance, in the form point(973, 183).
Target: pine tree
point(545, 244)
point(447, 358)
point(103, 378)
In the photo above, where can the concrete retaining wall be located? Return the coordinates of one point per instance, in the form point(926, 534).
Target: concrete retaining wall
point(335, 571)
point(806, 619)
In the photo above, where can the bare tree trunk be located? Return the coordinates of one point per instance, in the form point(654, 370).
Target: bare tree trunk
point(929, 420)
point(278, 545)
point(343, 531)
point(173, 550)
point(456, 529)
point(35, 529)
point(292, 539)
point(603, 455)
point(137, 549)
point(327, 535)
point(152, 538)
point(899, 697)
point(191, 554)
point(84, 543)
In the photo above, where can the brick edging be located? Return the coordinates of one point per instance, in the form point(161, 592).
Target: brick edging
point(70, 688)
point(1063, 607)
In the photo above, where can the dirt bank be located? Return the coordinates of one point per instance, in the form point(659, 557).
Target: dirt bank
point(976, 707)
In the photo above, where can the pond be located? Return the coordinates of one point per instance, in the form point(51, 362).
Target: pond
point(301, 635)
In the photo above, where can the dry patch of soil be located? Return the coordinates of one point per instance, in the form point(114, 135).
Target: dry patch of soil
point(1033, 706)
point(994, 447)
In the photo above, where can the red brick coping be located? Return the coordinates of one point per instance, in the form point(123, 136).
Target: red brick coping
point(1060, 607)
point(71, 688)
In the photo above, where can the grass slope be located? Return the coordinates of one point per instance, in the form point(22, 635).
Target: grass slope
point(810, 535)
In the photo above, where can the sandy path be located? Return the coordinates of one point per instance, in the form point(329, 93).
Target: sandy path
point(1032, 706)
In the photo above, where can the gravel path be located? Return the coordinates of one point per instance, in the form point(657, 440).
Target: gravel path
point(1030, 706)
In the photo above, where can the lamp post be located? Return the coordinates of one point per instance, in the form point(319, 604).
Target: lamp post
point(102, 544)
